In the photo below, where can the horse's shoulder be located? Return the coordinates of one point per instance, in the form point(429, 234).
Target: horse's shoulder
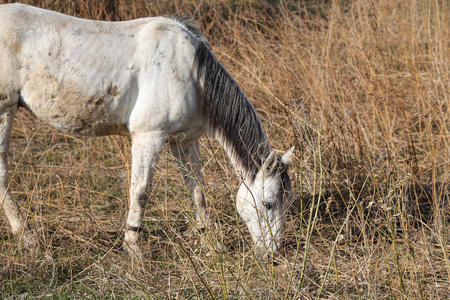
point(166, 32)
point(157, 25)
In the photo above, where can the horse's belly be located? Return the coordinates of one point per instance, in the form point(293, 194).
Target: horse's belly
point(76, 113)
point(89, 119)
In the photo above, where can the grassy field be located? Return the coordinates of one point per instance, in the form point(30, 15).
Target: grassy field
point(361, 88)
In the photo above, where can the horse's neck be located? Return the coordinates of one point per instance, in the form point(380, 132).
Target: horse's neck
point(228, 114)
point(240, 163)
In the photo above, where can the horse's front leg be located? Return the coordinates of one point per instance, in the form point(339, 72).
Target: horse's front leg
point(144, 149)
point(8, 107)
point(188, 160)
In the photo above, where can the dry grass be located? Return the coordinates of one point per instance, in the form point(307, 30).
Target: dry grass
point(361, 88)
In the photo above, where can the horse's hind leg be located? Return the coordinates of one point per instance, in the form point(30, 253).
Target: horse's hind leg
point(144, 149)
point(8, 107)
point(189, 164)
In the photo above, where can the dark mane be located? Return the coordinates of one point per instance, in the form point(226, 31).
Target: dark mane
point(228, 113)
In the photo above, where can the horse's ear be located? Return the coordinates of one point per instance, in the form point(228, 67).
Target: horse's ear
point(288, 157)
point(270, 163)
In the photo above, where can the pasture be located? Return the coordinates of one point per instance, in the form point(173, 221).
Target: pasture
point(360, 88)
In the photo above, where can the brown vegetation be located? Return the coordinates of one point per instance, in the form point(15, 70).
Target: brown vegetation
point(361, 88)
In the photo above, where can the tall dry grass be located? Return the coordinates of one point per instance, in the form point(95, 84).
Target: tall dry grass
point(361, 88)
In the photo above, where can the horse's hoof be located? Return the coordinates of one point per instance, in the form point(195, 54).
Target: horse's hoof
point(131, 247)
point(135, 254)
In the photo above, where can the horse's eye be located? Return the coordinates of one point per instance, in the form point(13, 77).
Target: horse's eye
point(268, 205)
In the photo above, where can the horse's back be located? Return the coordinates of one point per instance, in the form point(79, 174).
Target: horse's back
point(86, 77)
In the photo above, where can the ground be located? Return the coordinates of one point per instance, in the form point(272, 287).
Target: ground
point(361, 88)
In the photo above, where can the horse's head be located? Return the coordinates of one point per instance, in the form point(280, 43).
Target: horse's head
point(262, 203)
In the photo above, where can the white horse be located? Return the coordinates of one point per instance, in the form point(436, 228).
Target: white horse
point(155, 79)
